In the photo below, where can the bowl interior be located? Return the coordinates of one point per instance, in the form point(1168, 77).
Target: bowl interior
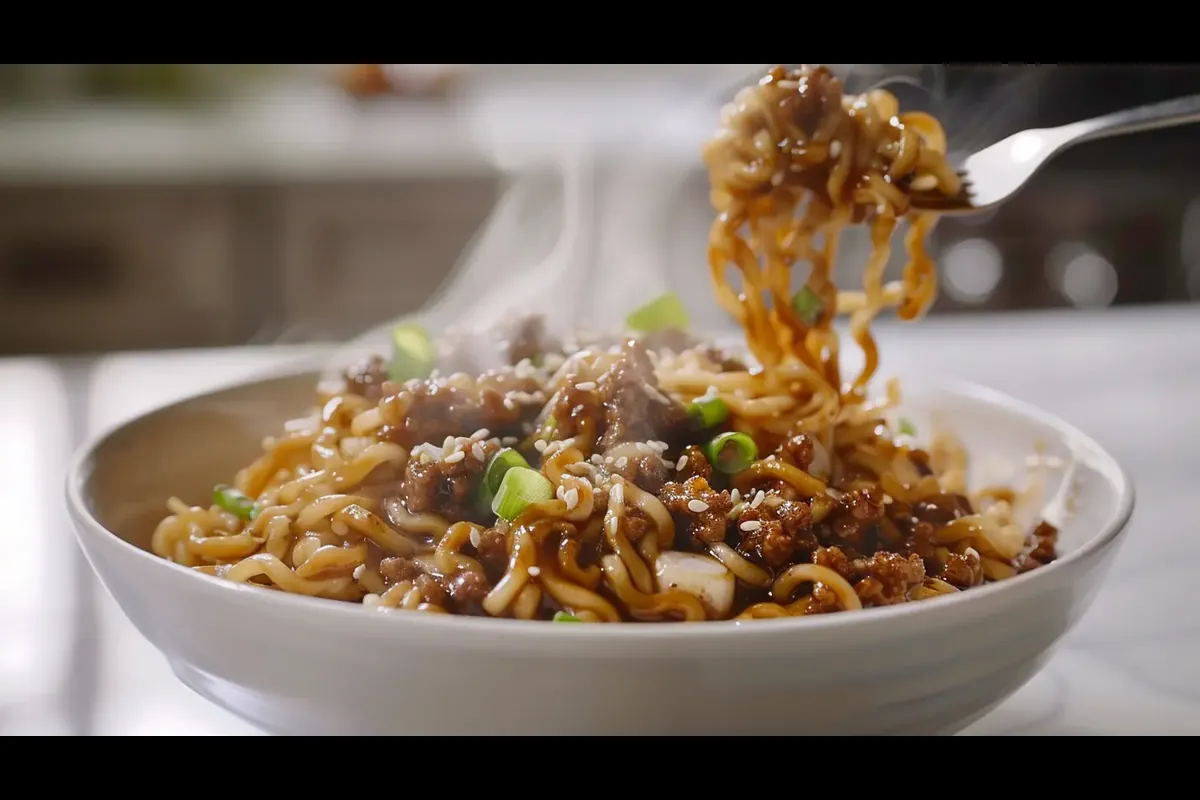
point(184, 449)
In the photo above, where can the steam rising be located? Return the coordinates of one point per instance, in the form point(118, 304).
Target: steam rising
point(608, 253)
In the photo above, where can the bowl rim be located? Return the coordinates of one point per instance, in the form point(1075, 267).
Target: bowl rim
point(317, 610)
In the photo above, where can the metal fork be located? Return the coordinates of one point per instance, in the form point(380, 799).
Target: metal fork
point(996, 173)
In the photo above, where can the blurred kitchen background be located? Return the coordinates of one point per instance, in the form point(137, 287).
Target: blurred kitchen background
point(164, 206)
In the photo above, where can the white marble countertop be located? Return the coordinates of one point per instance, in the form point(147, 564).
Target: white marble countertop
point(72, 663)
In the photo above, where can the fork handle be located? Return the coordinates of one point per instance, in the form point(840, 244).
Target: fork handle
point(1168, 113)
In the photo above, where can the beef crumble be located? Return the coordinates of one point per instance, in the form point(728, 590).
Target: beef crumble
point(447, 485)
point(700, 512)
point(773, 534)
point(500, 401)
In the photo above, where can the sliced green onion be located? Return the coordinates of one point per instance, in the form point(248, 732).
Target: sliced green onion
point(906, 428)
point(731, 452)
point(520, 488)
point(709, 411)
point(500, 464)
point(662, 313)
point(235, 502)
point(807, 305)
point(562, 616)
point(413, 355)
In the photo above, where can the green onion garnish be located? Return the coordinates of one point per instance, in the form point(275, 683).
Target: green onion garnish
point(906, 428)
point(413, 356)
point(709, 411)
point(662, 313)
point(235, 502)
point(520, 488)
point(500, 464)
point(562, 616)
point(731, 452)
point(807, 306)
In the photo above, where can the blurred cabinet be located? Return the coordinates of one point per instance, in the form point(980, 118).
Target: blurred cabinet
point(355, 256)
point(92, 269)
point(103, 268)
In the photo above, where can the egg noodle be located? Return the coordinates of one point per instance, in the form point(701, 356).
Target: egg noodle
point(651, 477)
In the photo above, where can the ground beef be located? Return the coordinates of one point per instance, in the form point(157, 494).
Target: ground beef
point(726, 362)
point(709, 525)
point(467, 589)
point(367, 379)
point(647, 471)
point(823, 600)
point(431, 590)
point(438, 409)
point(636, 525)
point(782, 531)
point(885, 578)
point(1045, 550)
point(573, 411)
point(694, 465)
point(635, 410)
point(492, 552)
point(854, 518)
point(797, 450)
point(527, 339)
point(444, 487)
point(398, 569)
point(961, 570)
point(941, 509)
point(466, 350)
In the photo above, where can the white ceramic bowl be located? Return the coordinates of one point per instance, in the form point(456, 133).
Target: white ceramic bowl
point(298, 665)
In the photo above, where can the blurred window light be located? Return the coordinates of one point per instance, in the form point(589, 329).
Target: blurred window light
point(973, 269)
point(1083, 276)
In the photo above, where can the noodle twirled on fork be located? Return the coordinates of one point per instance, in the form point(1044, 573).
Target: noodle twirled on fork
point(650, 477)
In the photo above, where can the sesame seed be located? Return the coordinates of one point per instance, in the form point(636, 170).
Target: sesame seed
point(370, 600)
point(586, 386)
point(645, 449)
point(598, 459)
point(758, 498)
point(448, 444)
point(455, 457)
point(735, 496)
point(509, 441)
point(736, 511)
point(340, 528)
point(750, 525)
point(535, 571)
point(540, 445)
point(682, 462)
point(621, 462)
point(481, 434)
point(697, 506)
point(617, 493)
point(477, 451)
point(771, 457)
point(509, 404)
point(476, 537)
point(359, 571)
point(571, 499)
point(560, 492)
point(425, 459)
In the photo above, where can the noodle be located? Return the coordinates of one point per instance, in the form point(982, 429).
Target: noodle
point(631, 506)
